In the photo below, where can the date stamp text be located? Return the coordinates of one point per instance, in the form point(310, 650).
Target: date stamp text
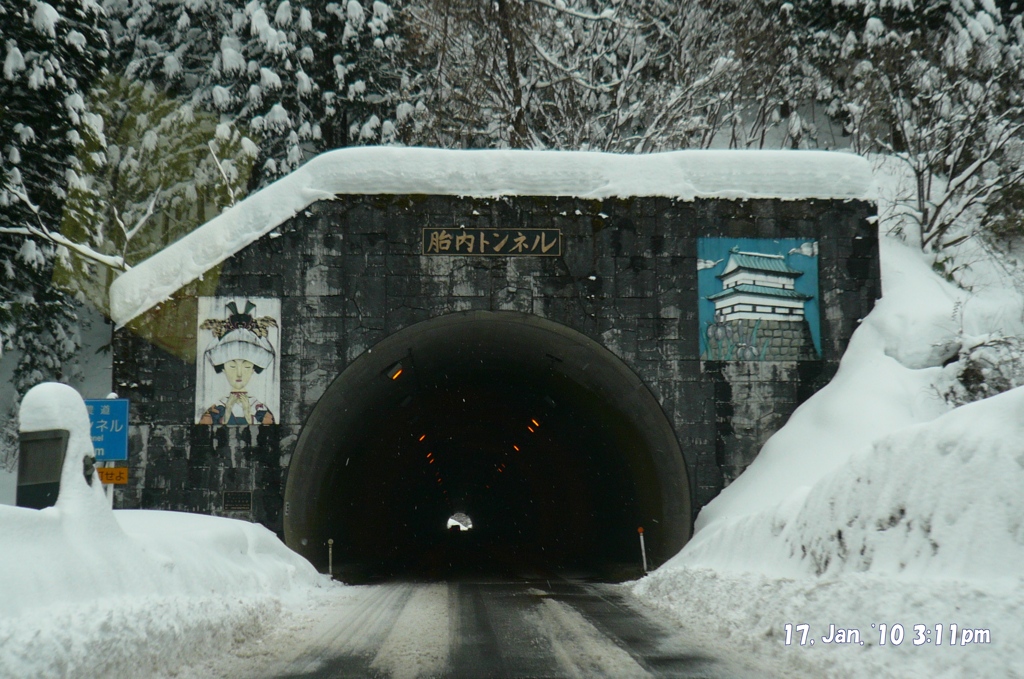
point(888, 635)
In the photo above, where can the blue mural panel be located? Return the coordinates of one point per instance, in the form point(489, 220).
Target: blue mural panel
point(758, 299)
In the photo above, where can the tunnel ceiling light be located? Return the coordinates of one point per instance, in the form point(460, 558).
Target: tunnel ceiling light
point(530, 428)
point(423, 437)
point(395, 371)
point(516, 447)
point(535, 423)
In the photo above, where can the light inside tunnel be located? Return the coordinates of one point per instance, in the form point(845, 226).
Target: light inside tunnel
point(461, 432)
point(461, 521)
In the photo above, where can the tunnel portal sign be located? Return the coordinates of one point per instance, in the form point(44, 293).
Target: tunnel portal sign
point(493, 242)
point(109, 420)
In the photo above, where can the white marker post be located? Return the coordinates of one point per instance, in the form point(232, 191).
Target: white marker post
point(110, 487)
point(330, 557)
point(643, 549)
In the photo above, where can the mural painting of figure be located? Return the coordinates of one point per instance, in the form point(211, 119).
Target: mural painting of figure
point(237, 364)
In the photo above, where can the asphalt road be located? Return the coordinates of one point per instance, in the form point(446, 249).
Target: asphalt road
point(479, 629)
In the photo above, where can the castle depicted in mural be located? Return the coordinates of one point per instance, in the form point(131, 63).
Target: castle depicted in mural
point(758, 314)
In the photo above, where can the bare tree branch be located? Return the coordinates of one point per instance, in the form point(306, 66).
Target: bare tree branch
point(607, 15)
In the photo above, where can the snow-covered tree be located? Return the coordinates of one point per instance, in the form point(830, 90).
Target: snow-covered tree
point(161, 169)
point(51, 52)
point(292, 79)
point(938, 84)
point(769, 97)
point(588, 74)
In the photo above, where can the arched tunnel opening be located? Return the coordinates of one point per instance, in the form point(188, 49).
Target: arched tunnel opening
point(547, 441)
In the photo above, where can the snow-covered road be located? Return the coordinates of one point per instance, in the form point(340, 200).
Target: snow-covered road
point(475, 629)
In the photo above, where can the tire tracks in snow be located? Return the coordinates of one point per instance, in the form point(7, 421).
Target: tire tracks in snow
point(474, 630)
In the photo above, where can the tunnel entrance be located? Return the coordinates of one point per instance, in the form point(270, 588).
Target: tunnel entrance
point(547, 440)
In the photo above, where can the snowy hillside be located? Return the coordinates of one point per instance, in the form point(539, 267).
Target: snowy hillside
point(879, 502)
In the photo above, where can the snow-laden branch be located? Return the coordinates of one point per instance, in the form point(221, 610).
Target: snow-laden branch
point(606, 15)
point(227, 182)
point(110, 261)
point(129, 233)
point(572, 74)
point(42, 232)
point(142, 220)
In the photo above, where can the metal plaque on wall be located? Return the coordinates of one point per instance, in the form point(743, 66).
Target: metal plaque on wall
point(237, 501)
point(493, 242)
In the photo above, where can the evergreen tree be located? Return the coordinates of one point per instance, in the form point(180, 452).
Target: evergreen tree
point(291, 80)
point(51, 53)
point(162, 169)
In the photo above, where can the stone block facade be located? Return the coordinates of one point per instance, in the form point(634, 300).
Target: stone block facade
point(772, 341)
point(350, 272)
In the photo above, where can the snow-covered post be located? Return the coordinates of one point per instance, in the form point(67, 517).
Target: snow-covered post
point(643, 549)
point(111, 486)
point(330, 557)
point(57, 406)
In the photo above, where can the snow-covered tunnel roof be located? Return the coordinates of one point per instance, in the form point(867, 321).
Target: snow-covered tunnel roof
point(684, 175)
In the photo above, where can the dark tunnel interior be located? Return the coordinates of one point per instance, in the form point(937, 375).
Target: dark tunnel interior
point(546, 440)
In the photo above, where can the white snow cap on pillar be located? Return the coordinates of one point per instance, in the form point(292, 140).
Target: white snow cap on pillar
point(51, 405)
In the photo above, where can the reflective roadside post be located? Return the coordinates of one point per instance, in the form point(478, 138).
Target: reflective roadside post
point(330, 557)
point(643, 550)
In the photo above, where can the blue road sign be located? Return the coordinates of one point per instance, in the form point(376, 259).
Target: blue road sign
point(109, 418)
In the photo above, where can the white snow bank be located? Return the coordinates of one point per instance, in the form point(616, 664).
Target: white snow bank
point(936, 500)
point(867, 451)
point(91, 592)
point(152, 590)
point(731, 614)
point(940, 500)
point(685, 175)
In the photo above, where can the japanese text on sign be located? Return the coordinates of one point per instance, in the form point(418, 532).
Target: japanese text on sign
point(493, 242)
point(237, 501)
point(109, 420)
point(114, 475)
